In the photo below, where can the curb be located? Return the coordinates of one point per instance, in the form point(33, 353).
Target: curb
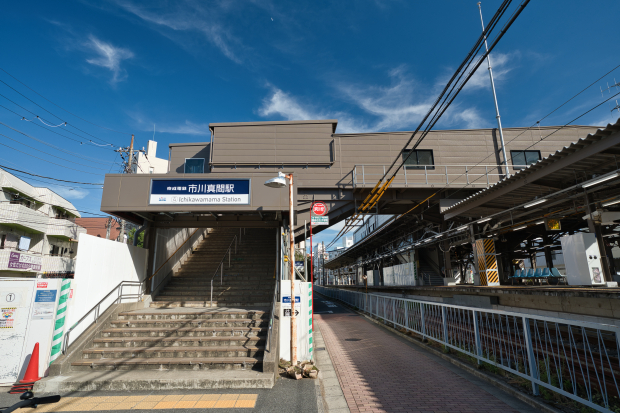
point(481, 375)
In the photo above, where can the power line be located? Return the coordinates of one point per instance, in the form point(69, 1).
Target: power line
point(58, 157)
point(47, 177)
point(60, 107)
point(56, 116)
point(441, 104)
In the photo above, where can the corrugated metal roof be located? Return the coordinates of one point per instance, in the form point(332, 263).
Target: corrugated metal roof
point(559, 154)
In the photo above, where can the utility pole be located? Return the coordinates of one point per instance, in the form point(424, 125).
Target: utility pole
point(128, 170)
point(108, 225)
point(499, 122)
point(292, 265)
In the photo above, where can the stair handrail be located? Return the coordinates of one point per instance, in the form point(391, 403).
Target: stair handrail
point(96, 308)
point(271, 316)
point(221, 266)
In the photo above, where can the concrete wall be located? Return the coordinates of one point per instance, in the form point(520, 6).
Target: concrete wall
point(172, 242)
point(100, 266)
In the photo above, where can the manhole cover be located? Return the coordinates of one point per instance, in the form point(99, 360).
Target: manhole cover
point(352, 339)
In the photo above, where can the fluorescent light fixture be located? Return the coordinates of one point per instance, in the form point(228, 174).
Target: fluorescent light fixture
point(483, 220)
point(601, 179)
point(467, 226)
point(617, 201)
point(536, 202)
point(539, 222)
point(518, 228)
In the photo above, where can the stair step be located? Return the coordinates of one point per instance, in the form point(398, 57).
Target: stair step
point(183, 315)
point(171, 352)
point(207, 341)
point(195, 322)
point(205, 304)
point(174, 363)
point(183, 331)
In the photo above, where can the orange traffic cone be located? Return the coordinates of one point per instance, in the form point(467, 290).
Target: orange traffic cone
point(32, 372)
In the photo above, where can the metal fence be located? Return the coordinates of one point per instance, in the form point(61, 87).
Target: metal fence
point(579, 360)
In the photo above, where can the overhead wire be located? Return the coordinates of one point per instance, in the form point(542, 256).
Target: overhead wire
point(56, 116)
point(47, 177)
point(444, 100)
point(61, 108)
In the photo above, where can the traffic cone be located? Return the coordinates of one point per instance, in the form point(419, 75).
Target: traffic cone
point(32, 372)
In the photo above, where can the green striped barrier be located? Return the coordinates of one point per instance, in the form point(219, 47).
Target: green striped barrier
point(59, 328)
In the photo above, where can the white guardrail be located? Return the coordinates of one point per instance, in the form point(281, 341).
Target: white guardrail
point(578, 360)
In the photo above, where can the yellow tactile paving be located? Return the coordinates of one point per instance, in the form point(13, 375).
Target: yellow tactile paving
point(172, 401)
point(221, 404)
point(104, 406)
point(248, 397)
point(205, 404)
point(245, 403)
point(123, 406)
point(145, 405)
point(192, 397)
point(154, 398)
point(229, 397)
point(118, 399)
point(210, 397)
point(165, 405)
point(185, 404)
point(173, 398)
point(134, 399)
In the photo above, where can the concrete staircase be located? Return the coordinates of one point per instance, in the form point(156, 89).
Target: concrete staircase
point(181, 330)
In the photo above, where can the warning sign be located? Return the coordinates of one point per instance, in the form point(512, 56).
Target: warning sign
point(7, 317)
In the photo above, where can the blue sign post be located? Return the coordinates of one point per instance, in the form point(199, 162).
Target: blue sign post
point(200, 192)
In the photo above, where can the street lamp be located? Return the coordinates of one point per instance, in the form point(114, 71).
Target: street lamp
point(280, 182)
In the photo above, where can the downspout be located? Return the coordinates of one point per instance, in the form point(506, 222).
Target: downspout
point(136, 235)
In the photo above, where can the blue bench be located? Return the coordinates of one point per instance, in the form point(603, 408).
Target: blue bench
point(533, 274)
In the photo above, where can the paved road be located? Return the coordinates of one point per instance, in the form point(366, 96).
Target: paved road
point(287, 396)
point(382, 372)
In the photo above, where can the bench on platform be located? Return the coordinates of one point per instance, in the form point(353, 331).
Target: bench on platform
point(542, 274)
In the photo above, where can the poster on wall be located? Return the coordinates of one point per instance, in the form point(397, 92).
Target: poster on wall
point(200, 192)
point(44, 303)
point(7, 317)
point(20, 261)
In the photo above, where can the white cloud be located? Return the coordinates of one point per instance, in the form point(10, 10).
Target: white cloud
point(499, 65)
point(70, 193)
point(189, 16)
point(399, 106)
point(187, 128)
point(109, 57)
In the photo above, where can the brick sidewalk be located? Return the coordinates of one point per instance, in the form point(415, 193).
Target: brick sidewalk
point(382, 374)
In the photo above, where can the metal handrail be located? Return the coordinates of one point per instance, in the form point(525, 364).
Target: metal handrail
point(221, 266)
point(97, 306)
point(531, 346)
point(272, 315)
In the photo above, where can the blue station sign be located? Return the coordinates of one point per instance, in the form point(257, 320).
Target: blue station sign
point(200, 192)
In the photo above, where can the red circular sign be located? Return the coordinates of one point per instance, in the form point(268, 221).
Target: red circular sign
point(319, 208)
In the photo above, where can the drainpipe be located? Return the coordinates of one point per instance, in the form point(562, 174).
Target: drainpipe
point(137, 233)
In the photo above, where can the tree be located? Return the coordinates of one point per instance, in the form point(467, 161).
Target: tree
point(132, 233)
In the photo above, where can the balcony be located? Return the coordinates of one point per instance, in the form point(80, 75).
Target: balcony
point(23, 218)
point(65, 229)
point(58, 264)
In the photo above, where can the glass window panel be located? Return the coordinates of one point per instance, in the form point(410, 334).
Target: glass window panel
point(413, 160)
point(425, 157)
point(194, 166)
point(532, 157)
point(518, 159)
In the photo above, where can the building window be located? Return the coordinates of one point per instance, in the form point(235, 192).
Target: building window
point(521, 159)
point(194, 166)
point(419, 159)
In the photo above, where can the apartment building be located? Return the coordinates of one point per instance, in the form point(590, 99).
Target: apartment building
point(38, 233)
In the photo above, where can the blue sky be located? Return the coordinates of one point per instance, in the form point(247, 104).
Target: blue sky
point(375, 65)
